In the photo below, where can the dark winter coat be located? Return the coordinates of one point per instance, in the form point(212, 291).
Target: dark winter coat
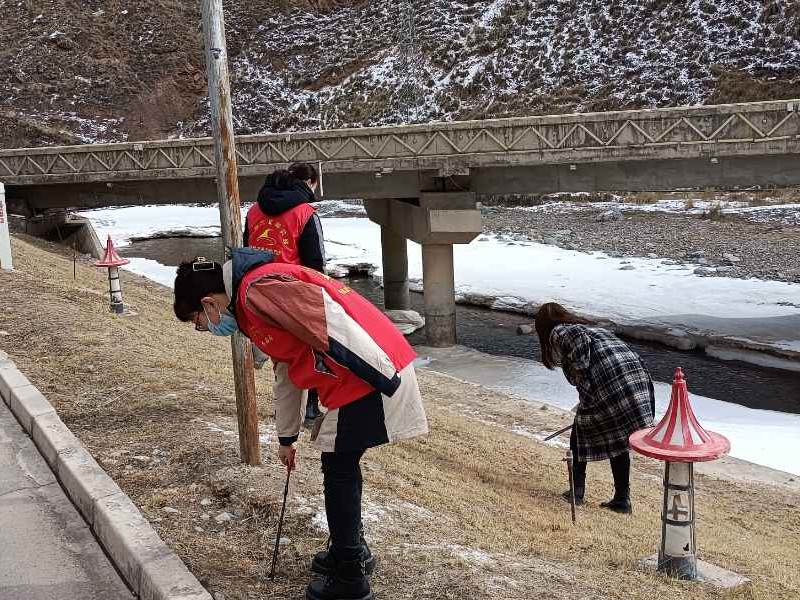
point(614, 388)
point(275, 198)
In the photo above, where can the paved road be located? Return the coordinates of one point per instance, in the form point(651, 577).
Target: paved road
point(47, 551)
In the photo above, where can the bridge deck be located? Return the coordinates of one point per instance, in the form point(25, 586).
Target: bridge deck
point(731, 130)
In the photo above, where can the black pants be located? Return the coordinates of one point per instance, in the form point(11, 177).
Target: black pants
point(343, 485)
point(620, 469)
point(312, 404)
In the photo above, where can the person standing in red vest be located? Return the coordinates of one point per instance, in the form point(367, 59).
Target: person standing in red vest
point(284, 223)
point(321, 335)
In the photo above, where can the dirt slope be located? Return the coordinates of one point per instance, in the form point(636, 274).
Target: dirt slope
point(472, 511)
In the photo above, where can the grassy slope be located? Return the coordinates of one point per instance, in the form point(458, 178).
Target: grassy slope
point(471, 511)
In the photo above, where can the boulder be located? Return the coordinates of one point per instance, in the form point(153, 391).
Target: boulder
point(223, 517)
point(406, 321)
point(610, 215)
point(731, 258)
point(361, 269)
point(337, 271)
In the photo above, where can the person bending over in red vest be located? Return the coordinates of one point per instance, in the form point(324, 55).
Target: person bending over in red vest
point(284, 223)
point(320, 334)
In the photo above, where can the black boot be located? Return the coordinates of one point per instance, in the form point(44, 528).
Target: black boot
point(578, 478)
point(348, 581)
point(323, 562)
point(620, 505)
point(578, 496)
point(621, 470)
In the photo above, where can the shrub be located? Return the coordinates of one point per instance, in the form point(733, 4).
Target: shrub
point(714, 213)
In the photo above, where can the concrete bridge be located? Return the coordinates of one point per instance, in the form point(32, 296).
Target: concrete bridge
point(421, 181)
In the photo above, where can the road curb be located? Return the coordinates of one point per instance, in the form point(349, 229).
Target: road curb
point(150, 568)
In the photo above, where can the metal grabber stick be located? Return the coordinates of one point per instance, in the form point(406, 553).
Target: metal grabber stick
point(289, 468)
point(559, 432)
point(568, 459)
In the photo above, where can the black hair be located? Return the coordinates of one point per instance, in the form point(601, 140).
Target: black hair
point(303, 171)
point(286, 179)
point(195, 280)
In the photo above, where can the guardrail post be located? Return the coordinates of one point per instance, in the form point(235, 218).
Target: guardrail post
point(5, 235)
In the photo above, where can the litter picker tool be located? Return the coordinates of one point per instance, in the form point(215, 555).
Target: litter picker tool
point(559, 432)
point(289, 469)
point(568, 460)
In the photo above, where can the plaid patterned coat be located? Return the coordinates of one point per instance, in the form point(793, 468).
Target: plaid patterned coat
point(615, 390)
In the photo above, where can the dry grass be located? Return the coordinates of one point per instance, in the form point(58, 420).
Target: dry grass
point(471, 511)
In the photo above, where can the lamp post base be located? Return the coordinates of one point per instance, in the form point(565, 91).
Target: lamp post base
point(679, 567)
point(706, 573)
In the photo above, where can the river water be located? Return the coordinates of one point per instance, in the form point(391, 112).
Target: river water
point(494, 332)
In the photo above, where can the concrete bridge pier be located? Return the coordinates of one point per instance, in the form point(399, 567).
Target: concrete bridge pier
point(436, 220)
point(440, 294)
point(394, 250)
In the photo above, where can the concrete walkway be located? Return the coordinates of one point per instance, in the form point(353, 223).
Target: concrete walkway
point(47, 551)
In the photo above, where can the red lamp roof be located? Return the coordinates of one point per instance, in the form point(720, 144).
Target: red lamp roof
point(111, 259)
point(679, 437)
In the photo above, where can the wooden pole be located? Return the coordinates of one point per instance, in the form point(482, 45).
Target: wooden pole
point(219, 93)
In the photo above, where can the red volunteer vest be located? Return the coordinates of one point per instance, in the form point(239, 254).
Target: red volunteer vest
point(278, 234)
point(337, 385)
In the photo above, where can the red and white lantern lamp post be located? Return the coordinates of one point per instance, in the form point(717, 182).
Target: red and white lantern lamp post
point(113, 262)
point(680, 441)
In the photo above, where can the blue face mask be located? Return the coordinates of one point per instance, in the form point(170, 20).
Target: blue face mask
point(227, 324)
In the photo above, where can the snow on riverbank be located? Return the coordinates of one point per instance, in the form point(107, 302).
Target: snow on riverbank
point(618, 288)
point(516, 275)
point(122, 224)
point(141, 222)
point(788, 214)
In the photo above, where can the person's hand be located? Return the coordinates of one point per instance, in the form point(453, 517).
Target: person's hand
point(286, 454)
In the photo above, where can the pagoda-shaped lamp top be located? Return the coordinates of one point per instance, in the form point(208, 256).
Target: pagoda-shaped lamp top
point(111, 259)
point(679, 437)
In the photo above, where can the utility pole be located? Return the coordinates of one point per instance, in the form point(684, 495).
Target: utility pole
point(219, 94)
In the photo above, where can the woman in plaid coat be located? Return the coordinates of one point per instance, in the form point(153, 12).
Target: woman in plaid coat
point(615, 394)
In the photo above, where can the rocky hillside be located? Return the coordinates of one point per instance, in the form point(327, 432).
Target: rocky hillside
point(77, 71)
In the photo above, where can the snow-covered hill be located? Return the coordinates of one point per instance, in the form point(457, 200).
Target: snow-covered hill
point(507, 57)
point(107, 70)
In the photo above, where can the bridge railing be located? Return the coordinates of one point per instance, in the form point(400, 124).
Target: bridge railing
point(751, 128)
